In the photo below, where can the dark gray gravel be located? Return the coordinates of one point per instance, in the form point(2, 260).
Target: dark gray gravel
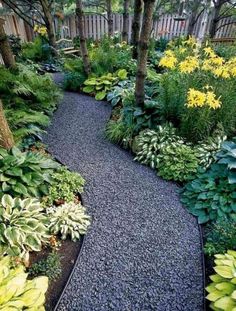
point(143, 250)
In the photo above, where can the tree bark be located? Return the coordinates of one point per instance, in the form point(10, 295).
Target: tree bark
point(49, 23)
point(83, 46)
point(191, 24)
point(109, 18)
point(214, 19)
point(136, 26)
point(6, 138)
point(125, 21)
point(5, 48)
point(143, 51)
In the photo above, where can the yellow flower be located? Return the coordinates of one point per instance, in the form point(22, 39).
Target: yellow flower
point(182, 50)
point(191, 41)
point(195, 98)
point(209, 52)
point(36, 27)
point(168, 60)
point(221, 72)
point(189, 64)
point(212, 101)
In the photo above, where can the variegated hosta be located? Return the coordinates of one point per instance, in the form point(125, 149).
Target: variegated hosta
point(206, 151)
point(23, 226)
point(16, 292)
point(151, 142)
point(69, 219)
point(222, 291)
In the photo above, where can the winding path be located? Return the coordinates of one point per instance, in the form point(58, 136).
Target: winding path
point(143, 250)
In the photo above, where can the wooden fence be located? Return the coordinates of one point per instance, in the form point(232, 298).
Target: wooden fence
point(96, 27)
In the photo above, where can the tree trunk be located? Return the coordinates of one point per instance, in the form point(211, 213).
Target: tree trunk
point(143, 51)
point(49, 23)
point(136, 26)
point(125, 21)
point(110, 19)
point(214, 19)
point(6, 138)
point(5, 48)
point(192, 20)
point(83, 46)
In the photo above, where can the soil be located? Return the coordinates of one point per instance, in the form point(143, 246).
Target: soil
point(68, 253)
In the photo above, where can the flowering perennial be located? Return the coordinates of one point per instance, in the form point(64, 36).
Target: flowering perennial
point(197, 98)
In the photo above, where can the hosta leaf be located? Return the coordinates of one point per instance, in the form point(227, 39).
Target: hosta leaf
point(224, 271)
point(225, 303)
point(100, 95)
point(20, 188)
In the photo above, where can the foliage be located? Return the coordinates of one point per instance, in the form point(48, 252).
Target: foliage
point(25, 174)
point(150, 143)
point(120, 91)
point(18, 293)
point(69, 219)
point(15, 43)
point(73, 81)
point(220, 237)
point(177, 162)
point(210, 197)
point(23, 226)
point(102, 85)
point(50, 266)
point(38, 50)
point(208, 149)
point(227, 156)
point(197, 91)
point(65, 186)
point(222, 290)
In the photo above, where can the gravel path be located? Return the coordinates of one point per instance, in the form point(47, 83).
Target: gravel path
point(143, 250)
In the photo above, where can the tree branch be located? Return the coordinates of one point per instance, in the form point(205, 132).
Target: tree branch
point(226, 24)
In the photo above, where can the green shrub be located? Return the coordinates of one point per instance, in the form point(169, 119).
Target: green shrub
point(25, 174)
point(38, 50)
point(73, 81)
point(118, 92)
point(23, 226)
point(18, 293)
point(177, 162)
point(118, 133)
point(65, 185)
point(222, 290)
point(210, 197)
point(69, 219)
point(102, 85)
point(151, 142)
point(50, 267)
point(220, 237)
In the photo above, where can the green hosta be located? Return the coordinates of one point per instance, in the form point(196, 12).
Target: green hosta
point(23, 226)
point(222, 290)
point(227, 156)
point(120, 91)
point(149, 144)
point(16, 292)
point(69, 219)
point(207, 150)
point(25, 174)
point(102, 85)
point(65, 186)
point(177, 162)
point(210, 197)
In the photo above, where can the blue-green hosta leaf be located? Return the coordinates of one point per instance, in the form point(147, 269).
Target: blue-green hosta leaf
point(20, 188)
point(232, 177)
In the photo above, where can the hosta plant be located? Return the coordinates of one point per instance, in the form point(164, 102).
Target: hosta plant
point(222, 290)
point(220, 236)
point(208, 149)
point(209, 196)
point(102, 85)
point(149, 143)
point(65, 186)
point(227, 156)
point(68, 220)
point(178, 162)
point(119, 91)
point(16, 292)
point(25, 174)
point(23, 226)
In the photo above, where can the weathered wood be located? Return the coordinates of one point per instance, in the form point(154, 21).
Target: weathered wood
point(125, 21)
point(6, 137)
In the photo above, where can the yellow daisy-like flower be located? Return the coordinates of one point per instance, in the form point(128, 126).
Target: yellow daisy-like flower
point(191, 41)
point(168, 60)
point(212, 101)
point(189, 64)
point(209, 52)
point(195, 98)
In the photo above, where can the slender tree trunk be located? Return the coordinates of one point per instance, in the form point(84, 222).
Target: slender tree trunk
point(5, 48)
point(49, 23)
point(110, 19)
point(192, 20)
point(214, 19)
point(6, 138)
point(125, 21)
point(136, 26)
point(143, 51)
point(83, 46)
